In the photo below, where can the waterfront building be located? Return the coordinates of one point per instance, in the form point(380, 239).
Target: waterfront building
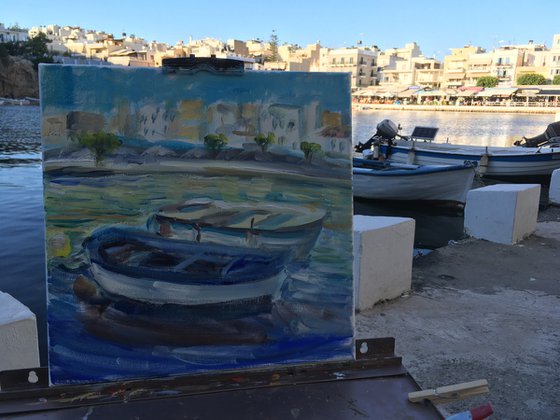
point(455, 66)
point(427, 72)
point(552, 59)
point(360, 62)
point(478, 65)
point(396, 67)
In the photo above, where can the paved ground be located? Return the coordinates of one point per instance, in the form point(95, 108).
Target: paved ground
point(479, 310)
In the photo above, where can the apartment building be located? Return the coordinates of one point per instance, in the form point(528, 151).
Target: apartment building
point(12, 35)
point(361, 63)
point(455, 66)
point(395, 65)
point(552, 59)
point(427, 72)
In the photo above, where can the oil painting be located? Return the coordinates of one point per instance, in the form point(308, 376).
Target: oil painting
point(195, 222)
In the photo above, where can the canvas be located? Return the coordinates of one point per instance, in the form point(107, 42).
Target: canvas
point(195, 222)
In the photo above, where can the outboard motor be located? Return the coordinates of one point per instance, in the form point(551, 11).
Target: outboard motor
point(386, 131)
point(551, 137)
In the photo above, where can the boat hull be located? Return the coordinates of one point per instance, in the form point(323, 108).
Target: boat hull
point(492, 162)
point(434, 184)
point(164, 292)
point(241, 225)
point(145, 267)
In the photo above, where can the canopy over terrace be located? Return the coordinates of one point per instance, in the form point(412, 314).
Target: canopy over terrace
point(497, 92)
point(380, 92)
point(468, 92)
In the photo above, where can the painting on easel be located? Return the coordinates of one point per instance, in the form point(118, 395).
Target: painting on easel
point(195, 221)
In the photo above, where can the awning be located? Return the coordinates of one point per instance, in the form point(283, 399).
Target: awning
point(435, 92)
point(407, 93)
point(500, 92)
point(370, 92)
point(549, 92)
point(527, 92)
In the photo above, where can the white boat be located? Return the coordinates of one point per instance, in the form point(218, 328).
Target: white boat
point(492, 162)
point(435, 184)
point(145, 267)
point(269, 226)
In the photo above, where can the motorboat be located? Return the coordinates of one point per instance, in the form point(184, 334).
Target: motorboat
point(146, 267)
point(434, 184)
point(266, 225)
point(493, 162)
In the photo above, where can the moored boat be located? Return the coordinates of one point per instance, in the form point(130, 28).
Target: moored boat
point(435, 184)
point(145, 267)
point(267, 226)
point(512, 163)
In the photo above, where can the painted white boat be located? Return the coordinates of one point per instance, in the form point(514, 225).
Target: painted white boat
point(493, 162)
point(145, 267)
point(269, 226)
point(437, 184)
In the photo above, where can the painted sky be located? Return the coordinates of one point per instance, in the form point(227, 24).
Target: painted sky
point(436, 25)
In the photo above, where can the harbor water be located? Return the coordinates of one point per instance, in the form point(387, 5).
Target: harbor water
point(22, 271)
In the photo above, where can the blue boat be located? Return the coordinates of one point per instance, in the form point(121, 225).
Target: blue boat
point(145, 267)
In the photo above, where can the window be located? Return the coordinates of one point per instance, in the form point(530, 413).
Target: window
point(361, 60)
point(507, 60)
point(342, 60)
point(351, 60)
point(334, 60)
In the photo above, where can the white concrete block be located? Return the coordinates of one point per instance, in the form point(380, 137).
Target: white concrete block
point(554, 188)
point(383, 248)
point(502, 213)
point(19, 343)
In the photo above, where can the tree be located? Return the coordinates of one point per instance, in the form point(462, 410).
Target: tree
point(34, 49)
point(556, 80)
point(264, 141)
point(37, 51)
point(214, 143)
point(531, 79)
point(487, 81)
point(308, 148)
point(273, 46)
point(100, 144)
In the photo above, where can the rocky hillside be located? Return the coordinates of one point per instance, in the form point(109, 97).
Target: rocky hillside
point(18, 78)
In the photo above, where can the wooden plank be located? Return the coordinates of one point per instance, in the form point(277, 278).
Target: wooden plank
point(451, 392)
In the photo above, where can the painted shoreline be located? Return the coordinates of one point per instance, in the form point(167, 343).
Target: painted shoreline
point(460, 108)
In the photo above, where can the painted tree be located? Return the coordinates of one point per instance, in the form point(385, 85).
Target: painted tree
point(100, 144)
point(214, 143)
point(487, 81)
point(531, 79)
point(264, 141)
point(309, 148)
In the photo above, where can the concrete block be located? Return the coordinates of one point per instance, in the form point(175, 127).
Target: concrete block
point(383, 248)
point(554, 189)
point(502, 213)
point(19, 343)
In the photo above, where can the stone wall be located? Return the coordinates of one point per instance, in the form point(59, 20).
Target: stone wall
point(18, 78)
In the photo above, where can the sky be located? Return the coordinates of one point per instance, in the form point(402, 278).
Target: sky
point(435, 25)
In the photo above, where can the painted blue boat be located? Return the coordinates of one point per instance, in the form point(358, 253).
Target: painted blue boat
point(434, 184)
point(266, 225)
point(146, 267)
